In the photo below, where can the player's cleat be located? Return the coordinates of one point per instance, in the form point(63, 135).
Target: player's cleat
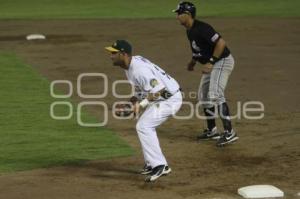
point(227, 138)
point(158, 172)
point(146, 170)
point(209, 134)
point(167, 170)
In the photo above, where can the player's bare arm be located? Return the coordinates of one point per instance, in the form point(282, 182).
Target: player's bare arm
point(191, 65)
point(218, 50)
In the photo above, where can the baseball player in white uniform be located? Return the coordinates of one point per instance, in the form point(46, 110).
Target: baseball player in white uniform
point(162, 100)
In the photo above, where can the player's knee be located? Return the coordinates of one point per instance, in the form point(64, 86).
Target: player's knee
point(202, 100)
point(205, 102)
point(216, 98)
point(213, 96)
point(201, 96)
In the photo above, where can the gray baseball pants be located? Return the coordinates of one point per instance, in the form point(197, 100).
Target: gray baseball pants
point(212, 85)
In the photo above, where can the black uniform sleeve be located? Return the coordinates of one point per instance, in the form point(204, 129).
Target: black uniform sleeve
point(209, 34)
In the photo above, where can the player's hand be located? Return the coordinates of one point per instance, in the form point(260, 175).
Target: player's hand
point(133, 100)
point(207, 68)
point(123, 109)
point(191, 65)
point(136, 109)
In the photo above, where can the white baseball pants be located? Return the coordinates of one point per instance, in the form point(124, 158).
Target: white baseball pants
point(154, 115)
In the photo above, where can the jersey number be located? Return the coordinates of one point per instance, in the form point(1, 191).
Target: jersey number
point(162, 72)
point(156, 67)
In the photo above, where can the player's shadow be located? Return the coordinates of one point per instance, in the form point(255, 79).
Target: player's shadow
point(112, 171)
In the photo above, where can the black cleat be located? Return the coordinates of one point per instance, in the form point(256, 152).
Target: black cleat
point(146, 170)
point(209, 134)
point(158, 172)
point(227, 138)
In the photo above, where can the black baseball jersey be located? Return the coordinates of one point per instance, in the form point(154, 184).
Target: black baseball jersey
point(203, 39)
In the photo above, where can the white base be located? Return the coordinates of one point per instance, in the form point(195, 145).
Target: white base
point(35, 36)
point(260, 191)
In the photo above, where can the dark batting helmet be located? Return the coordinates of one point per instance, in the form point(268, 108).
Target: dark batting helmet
point(186, 7)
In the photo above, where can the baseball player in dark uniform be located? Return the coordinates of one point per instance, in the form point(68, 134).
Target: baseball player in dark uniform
point(209, 48)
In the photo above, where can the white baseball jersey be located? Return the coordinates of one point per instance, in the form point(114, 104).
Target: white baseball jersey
point(148, 77)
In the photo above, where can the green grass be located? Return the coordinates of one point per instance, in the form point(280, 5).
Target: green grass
point(237, 8)
point(29, 138)
point(43, 9)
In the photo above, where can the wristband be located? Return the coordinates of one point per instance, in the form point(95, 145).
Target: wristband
point(213, 60)
point(144, 103)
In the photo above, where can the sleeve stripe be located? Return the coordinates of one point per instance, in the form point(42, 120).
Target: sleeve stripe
point(215, 37)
